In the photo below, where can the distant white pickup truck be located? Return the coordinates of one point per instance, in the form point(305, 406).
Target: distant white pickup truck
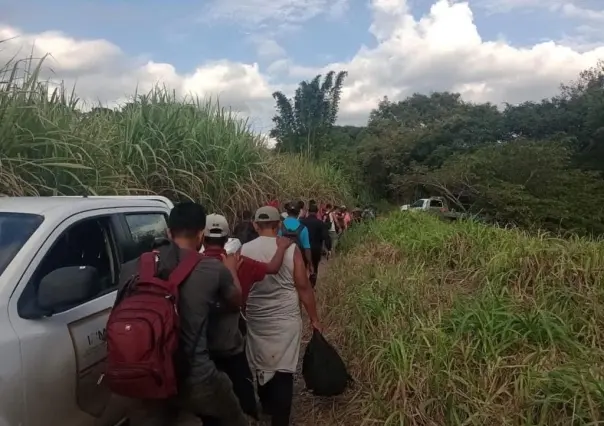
point(60, 259)
point(438, 204)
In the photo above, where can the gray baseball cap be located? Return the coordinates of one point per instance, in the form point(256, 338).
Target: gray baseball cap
point(267, 214)
point(216, 226)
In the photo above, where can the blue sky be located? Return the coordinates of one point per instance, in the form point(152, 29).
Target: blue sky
point(177, 31)
point(276, 43)
point(180, 32)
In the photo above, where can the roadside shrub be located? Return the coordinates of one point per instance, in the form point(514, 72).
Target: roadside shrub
point(469, 324)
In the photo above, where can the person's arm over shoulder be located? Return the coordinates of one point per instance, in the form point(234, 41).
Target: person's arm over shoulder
point(274, 265)
point(252, 270)
point(304, 289)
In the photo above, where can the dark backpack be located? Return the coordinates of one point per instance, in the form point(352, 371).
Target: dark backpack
point(327, 220)
point(324, 372)
point(340, 222)
point(295, 235)
point(143, 331)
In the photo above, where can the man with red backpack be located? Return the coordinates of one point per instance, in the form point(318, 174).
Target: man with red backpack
point(157, 344)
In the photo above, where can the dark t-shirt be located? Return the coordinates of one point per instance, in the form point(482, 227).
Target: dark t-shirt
point(209, 282)
point(244, 231)
point(224, 336)
point(317, 232)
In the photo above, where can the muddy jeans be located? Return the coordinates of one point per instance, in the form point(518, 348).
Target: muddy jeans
point(214, 397)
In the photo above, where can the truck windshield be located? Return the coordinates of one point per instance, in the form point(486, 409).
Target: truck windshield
point(15, 230)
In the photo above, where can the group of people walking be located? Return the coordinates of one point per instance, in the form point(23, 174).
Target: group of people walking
point(315, 228)
point(238, 314)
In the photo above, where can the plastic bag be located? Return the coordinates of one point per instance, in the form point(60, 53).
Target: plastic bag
point(324, 372)
point(232, 246)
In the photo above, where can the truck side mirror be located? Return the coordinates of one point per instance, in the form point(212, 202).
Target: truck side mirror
point(65, 287)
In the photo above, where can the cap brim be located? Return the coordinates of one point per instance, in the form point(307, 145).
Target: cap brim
point(266, 218)
point(215, 233)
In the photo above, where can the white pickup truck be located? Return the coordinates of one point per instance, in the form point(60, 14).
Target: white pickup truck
point(59, 263)
point(438, 204)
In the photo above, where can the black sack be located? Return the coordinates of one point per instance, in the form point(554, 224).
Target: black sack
point(324, 372)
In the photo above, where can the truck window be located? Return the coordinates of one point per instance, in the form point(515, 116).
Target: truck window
point(418, 204)
point(15, 230)
point(436, 203)
point(145, 228)
point(86, 243)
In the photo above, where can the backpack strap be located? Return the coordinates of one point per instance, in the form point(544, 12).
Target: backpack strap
point(147, 266)
point(184, 269)
point(299, 229)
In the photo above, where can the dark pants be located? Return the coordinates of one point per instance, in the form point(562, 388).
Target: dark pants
point(242, 326)
point(276, 398)
point(315, 256)
point(238, 370)
point(214, 397)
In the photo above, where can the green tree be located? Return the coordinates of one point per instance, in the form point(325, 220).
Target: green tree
point(423, 130)
point(527, 183)
point(576, 115)
point(302, 124)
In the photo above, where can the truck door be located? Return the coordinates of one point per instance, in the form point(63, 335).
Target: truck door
point(63, 348)
point(63, 351)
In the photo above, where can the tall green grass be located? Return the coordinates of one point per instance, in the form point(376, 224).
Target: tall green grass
point(465, 324)
point(157, 144)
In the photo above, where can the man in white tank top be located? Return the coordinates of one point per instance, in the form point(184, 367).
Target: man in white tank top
point(273, 317)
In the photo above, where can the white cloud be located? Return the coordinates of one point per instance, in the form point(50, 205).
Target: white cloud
point(268, 14)
point(441, 51)
point(589, 14)
point(102, 72)
point(444, 51)
point(498, 6)
point(574, 11)
point(267, 48)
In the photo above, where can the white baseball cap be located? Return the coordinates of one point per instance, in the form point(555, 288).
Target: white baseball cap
point(216, 226)
point(267, 214)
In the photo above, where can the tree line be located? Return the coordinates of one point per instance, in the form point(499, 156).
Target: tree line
point(534, 164)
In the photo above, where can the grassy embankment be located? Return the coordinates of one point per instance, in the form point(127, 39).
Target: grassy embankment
point(158, 144)
point(451, 324)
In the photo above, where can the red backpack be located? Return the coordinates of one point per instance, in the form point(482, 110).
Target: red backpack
point(143, 332)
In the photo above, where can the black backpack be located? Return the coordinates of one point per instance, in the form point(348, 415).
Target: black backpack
point(324, 372)
point(327, 220)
